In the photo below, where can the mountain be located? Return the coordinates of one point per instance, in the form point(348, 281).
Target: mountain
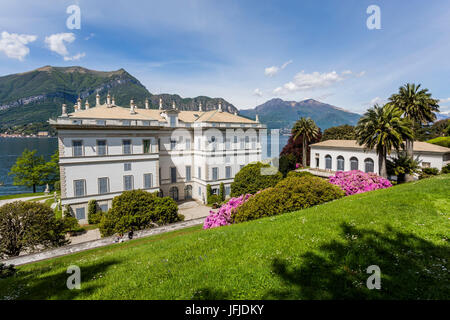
point(31, 98)
point(442, 115)
point(280, 114)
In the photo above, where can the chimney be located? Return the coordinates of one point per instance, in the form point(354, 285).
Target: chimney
point(220, 106)
point(200, 108)
point(108, 100)
point(160, 104)
point(257, 118)
point(113, 101)
point(86, 105)
point(97, 100)
point(64, 110)
point(146, 103)
point(79, 103)
point(235, 113)
point(132, 111)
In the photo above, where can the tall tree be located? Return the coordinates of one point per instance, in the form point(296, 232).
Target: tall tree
point(418, 106)
point(29, 170)
point(308, 130)
point(383, 129)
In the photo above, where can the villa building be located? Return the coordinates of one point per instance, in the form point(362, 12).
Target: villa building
point(345, 155)
point(107, 149)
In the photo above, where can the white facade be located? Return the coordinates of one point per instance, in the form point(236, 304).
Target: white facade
point(104, 151)
point(345, 155)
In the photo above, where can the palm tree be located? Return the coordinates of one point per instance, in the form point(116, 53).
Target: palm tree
point(383, 129)
point(307, 128)
point(417, 106)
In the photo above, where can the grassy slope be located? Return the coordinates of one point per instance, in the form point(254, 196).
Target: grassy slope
point(319, 253)
point(21, 195)
point(441, 141)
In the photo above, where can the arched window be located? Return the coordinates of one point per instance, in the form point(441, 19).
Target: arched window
point(328, 162)
point(340, 163)
point(368, 165)
point(188, 192)
point(173, 192)
point(354, 165)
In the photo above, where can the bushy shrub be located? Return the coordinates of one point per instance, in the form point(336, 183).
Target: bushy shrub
point(287, 163)
point(223, 216)
point(299, 174)
point(28, 226)
point(94, 214)
point(7, 271)
point(137, 210)
point(356, 181)
point(214, 199)
point(446, 169)
point(290, 194)
point(250, 180)
point(57, 185)
point(428, 172)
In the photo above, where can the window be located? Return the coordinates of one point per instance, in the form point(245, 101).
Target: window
point(188, 173)
point(368, 165)
point(199, 171)
point(228, 172)
point(103, 207)
point(188, 144)
point(101, 122)
point(328, 162)
point(227, 190)
point(173, 144)
point(127, 166)
point(148, 181)
point(173, 121)
point(77, 146)
point(146, 145)
point(199, 191)
point(103, 185)
point(126, 122)
point(80, 213)
point(101, 147)
point(340, 163)
point(227, 144)
point(173, 174)
point(126, 144)
point(79, 187)
point(128, 182)
point(215, 173)
point(242, 145)
point(354, 163)
point(188, 192)
point(426, 164)
point(317, 162)
point(173, 193)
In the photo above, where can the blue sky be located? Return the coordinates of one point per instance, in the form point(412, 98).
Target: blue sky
point(244, 51)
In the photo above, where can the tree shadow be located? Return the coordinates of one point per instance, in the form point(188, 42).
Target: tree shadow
point(31, 285)
point(210, 294)
point(411, 268)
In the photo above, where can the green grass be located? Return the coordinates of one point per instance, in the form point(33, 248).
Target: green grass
point(21, 195)
point(318, 253)
point(441, 141)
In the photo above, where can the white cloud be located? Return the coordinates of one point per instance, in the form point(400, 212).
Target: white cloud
point(56, 42)
point(14, 45)
point(90, 36)
point(258, 92)
point(78, 56)
point(273, 70)
point(444, 100)
point(309, 81)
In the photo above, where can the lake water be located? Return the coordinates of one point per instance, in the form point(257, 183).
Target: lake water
point(11, 148)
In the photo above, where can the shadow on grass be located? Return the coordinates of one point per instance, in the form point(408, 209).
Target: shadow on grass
point(37, 285)
point(411, 268)
point(210, 294)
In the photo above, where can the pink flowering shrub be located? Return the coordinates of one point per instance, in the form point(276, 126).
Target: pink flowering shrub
point(223, 216)
point(297, 165)
point(356, 181)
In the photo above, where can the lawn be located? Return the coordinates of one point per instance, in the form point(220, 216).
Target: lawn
point(441, 141)
point(318, 253)
point(21, 195)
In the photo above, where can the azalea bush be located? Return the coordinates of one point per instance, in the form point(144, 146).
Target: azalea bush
point(356, 181)
point(223, 216)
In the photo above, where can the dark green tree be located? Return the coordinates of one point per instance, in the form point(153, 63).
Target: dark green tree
point(344, 132)
point(308, 130)
point(383, 129)
point(30, 170)
point(418, 107)
point(29, 226)
point(253, 178)
point(222, 192)
point(287, 163)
